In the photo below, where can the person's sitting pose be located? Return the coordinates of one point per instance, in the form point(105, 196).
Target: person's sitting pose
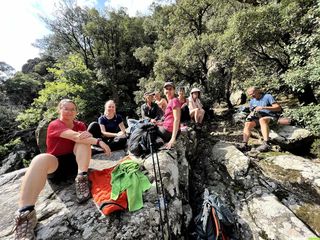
point(150, 110)
point(195, 106)
point(162, 103)
point(185, 114)
point(169, 128)
point(264, 111)
point(110, 127)
point(68, 155)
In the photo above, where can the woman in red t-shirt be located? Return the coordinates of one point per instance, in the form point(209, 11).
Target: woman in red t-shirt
point(68, 154)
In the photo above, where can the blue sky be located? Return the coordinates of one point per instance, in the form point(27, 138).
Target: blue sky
point(20, 25)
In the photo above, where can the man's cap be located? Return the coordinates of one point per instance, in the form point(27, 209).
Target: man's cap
point(166, 84)
point(195, 90)
point(149, 93)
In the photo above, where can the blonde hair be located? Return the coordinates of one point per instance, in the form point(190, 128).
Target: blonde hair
point(64, 101)
point(106, 104)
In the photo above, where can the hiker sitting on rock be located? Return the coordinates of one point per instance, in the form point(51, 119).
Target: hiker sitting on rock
point(169, 128)
point(185, 114)
point(162, 103)
point(68, 155)
point(150, 112)
point(264, 111)
point(195, 107)
point(110, 128)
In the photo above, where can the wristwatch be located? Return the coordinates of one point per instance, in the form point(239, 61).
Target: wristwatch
point(98, 141)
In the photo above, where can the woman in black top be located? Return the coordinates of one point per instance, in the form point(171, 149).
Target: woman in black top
point(110, 128)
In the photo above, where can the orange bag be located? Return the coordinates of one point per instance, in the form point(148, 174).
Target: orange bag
point(101, 192)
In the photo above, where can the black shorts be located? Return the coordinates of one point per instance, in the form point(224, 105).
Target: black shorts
point(67, 168)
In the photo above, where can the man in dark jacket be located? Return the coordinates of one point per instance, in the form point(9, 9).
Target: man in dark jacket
point(150, 110)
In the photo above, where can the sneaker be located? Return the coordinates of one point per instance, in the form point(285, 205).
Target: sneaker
point(25, 224)
point(264, 147)
point(243, 147)
point(82, 188)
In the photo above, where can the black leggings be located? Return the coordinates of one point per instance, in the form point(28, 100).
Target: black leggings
point(115, 143)
point(185, 114)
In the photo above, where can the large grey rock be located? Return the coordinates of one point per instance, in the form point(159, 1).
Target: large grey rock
point(235, 161)
point(292, 138)
point(307, 211)
point(60, 217)
point(269, 219)
point(13, 162)
point(294, 172)
point(237, 97)
point(41, 134)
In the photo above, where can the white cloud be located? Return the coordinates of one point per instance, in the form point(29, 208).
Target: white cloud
point(19, 28)
point(20, 24)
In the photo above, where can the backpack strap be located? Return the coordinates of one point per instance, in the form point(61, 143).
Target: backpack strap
point(216, 222)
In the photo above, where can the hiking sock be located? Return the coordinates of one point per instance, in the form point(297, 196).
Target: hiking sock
point(26, 208)
point(82, 173)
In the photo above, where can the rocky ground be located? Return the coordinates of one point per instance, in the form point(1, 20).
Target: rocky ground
point(273, 195)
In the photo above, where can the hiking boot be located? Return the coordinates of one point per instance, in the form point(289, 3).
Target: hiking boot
point(25, 224)
point(82, 188)
point(264, 147)
point(243, 147)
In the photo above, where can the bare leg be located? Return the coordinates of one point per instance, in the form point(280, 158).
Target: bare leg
point(196, 115)
point(36, 177)
point(248, 126)
point(264, 124)
point(284, 121)
point(201, 115)
point(83, 156)
point(192, 115)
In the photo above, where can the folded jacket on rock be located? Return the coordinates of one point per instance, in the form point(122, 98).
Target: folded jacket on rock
point(127, 176)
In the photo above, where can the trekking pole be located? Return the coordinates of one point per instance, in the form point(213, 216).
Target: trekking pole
point(162, 198)
point(157, 186)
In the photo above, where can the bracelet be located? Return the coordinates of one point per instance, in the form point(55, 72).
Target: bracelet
point(98, 141)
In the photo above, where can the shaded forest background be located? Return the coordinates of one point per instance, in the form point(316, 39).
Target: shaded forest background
point(92, 56)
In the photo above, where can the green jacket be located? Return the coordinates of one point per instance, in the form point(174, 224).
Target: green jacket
point(127, 176)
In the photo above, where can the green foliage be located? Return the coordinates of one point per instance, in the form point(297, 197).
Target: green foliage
point(8, 147)
point(73, 70)
point(7, 117)
point(315, 148)
point(26, 84)
point(308, 116)
point(145, 55)
point(45, 106)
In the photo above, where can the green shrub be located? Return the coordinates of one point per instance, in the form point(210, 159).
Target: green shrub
point(8, 147)
point(307, 116)
point(315, 148)
point(45, 106)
